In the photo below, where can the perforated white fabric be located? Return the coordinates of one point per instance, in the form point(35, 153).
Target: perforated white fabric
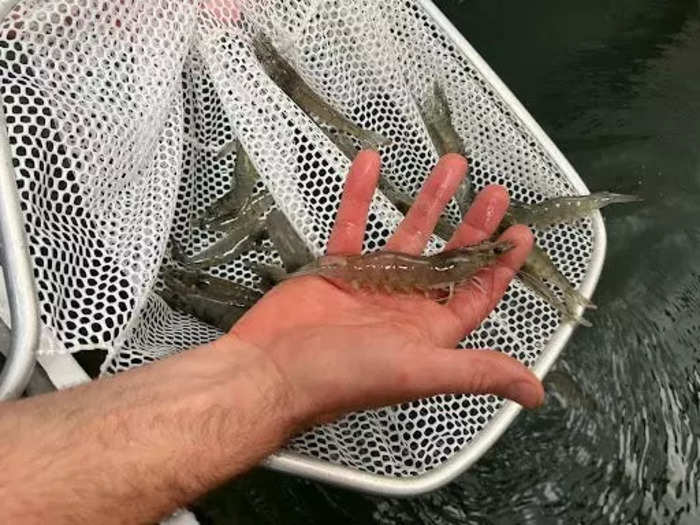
point(116, 111)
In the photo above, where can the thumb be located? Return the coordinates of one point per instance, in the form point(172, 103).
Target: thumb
point(474, 372)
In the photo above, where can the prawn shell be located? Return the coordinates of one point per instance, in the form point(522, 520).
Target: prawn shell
point(393, 272)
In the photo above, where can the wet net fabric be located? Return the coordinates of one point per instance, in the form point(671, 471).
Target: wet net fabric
point(116, 112)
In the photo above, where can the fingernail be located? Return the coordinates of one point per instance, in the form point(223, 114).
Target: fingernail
point(526, 394)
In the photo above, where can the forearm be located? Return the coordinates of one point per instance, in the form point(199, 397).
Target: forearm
point(133, 447)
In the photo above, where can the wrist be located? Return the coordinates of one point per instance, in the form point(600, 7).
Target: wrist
point(254, 375)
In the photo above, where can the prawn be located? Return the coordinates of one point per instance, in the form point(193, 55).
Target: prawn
point(215, 301)
point(284, 75)
point(394, 272)
point(437, 117)
point(567, 209)
point(245, 178)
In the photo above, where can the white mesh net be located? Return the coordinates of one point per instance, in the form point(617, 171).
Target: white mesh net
point(116, 110)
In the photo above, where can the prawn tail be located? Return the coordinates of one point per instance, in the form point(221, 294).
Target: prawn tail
point(570, 316)
point(311, 269)
point(575, 297)
point(607, 197)
point(566, 308)
point(584, 322)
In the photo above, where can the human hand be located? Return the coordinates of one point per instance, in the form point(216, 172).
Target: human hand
point(339, 350)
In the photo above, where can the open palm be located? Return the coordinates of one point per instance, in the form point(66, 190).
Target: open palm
point(340, 350)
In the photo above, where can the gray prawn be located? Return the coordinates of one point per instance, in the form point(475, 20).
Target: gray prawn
point(245, 177)
point(215, 301)
point(565, 307)
point(284, 75)
point(394, 272)
point(539, 269)
point(538, 265)
point(291, 248)
point(251, 214)
point(244, 232)
point(567, 209)
point(437, 117)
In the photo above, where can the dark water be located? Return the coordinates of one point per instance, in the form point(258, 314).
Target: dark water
point(616, 84)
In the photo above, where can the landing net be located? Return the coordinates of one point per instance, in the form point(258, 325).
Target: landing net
point(116, 111)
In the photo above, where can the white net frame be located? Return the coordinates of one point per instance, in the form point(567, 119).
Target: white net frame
point(115, 113)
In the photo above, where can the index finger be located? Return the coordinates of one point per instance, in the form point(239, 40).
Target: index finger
point(350, 223)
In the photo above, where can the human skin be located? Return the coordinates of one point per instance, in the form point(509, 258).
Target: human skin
point(132, 448)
